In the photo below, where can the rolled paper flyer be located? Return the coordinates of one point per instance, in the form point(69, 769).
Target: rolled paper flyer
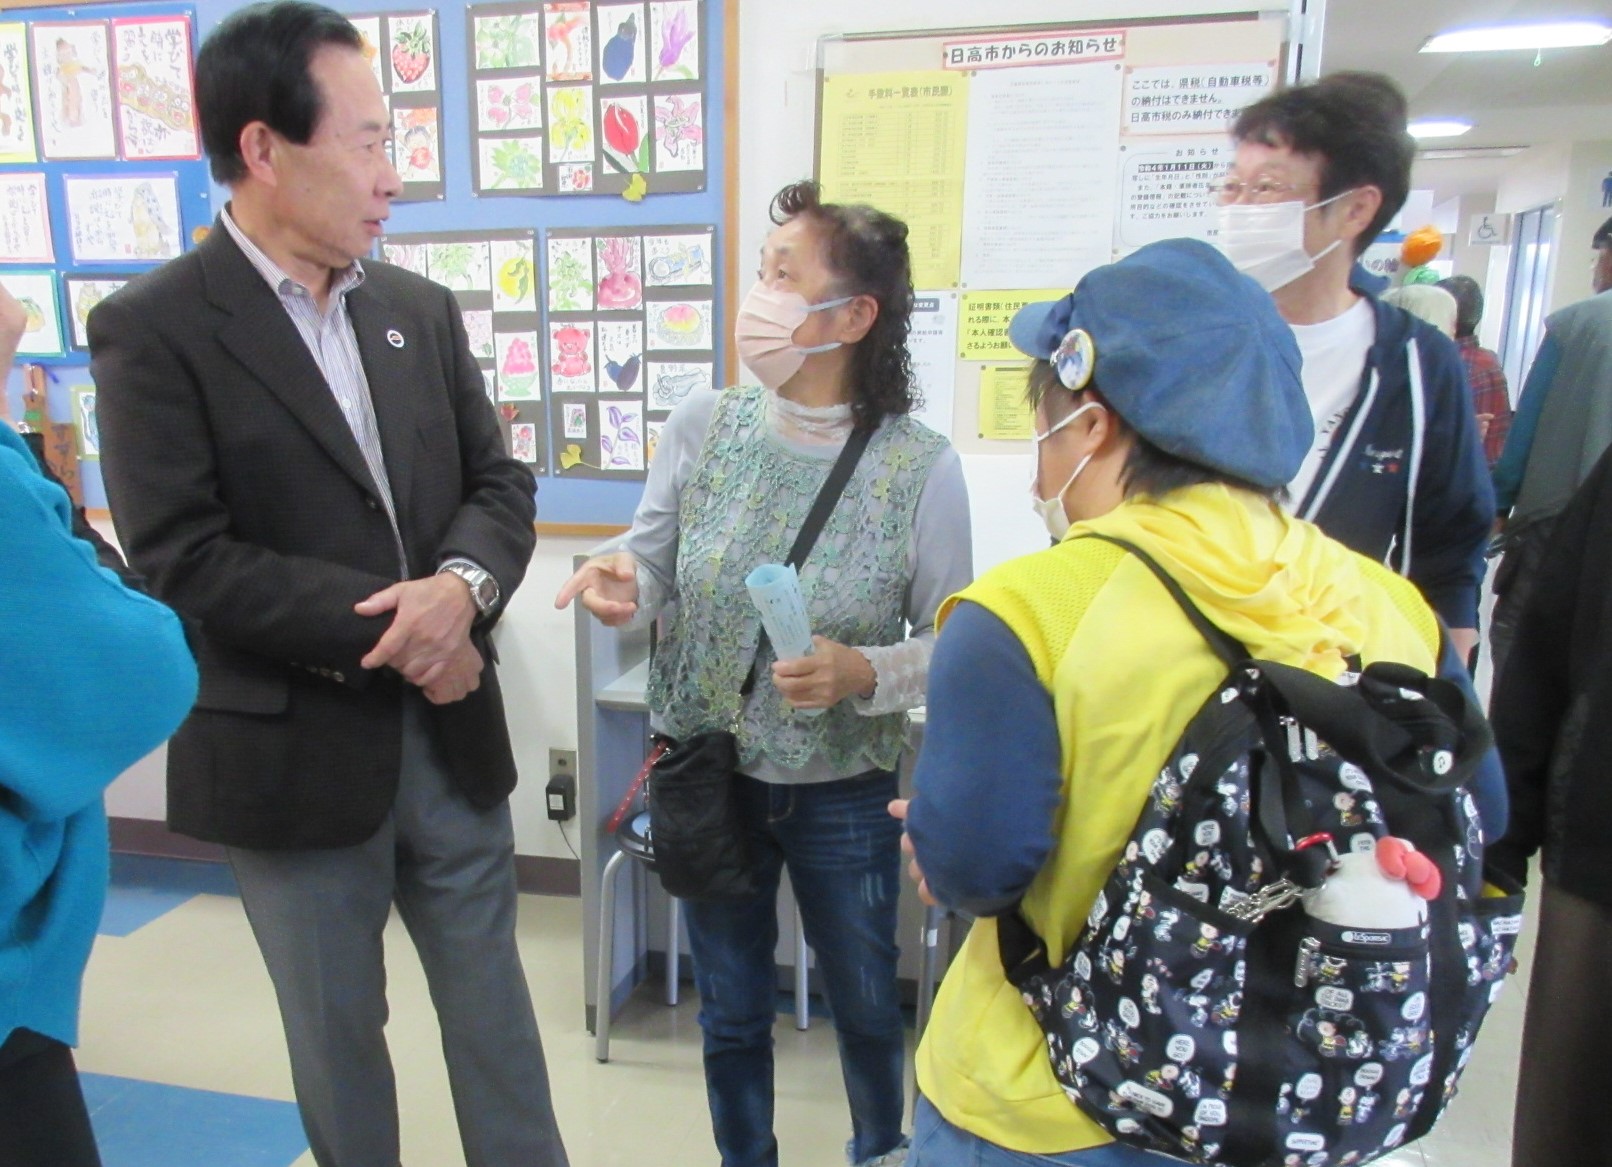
point(775, 590)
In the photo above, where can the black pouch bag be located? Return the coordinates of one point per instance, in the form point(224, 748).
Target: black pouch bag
point(699, 844)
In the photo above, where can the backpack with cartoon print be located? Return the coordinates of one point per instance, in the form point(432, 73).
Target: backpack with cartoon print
point(1290, 962)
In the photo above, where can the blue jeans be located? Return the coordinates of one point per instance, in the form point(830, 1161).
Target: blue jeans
point(937, 1143)
point(843, 851)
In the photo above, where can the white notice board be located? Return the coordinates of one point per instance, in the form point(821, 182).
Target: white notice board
point(1021, 158)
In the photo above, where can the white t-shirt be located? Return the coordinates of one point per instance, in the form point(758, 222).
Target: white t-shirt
point(1334, 354)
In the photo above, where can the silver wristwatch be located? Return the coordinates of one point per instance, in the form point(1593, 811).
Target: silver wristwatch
point(483, 587)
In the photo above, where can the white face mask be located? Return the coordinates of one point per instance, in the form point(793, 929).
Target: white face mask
point(1051, 509)
point(1266, 240)
point(765, 333)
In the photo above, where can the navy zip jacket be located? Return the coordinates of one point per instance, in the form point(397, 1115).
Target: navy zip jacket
point(1406, 482)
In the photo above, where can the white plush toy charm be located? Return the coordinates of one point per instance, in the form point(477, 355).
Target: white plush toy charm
point(1387, 887)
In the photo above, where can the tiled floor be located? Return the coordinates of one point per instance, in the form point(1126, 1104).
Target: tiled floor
point(185, 1064)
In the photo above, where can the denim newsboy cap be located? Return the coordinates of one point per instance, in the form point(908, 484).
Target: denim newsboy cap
point(1189, 351)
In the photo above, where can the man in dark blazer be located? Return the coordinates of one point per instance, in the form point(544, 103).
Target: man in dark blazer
point(301, 459)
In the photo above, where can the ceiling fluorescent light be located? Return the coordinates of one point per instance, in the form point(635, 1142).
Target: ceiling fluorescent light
point(1437, 128)
point(1564, 34)
point(1464, 153)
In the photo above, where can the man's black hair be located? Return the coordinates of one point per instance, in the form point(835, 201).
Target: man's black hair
point(254, 68)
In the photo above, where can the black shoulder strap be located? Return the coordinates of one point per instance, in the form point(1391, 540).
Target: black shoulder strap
point(1227, 647)
point(828, 497)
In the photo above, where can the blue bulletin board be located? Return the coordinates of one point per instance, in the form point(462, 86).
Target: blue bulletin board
point(571, 490)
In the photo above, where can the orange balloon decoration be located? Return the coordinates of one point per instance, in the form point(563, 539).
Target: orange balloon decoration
point(1420, 246)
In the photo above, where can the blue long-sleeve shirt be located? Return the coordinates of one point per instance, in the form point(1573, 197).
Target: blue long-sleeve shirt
point(94, 676)
point(990, 779)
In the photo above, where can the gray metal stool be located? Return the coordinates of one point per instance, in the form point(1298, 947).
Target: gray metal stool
point(632, 839)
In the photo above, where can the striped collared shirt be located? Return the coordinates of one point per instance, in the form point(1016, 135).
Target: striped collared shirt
point(333, 344)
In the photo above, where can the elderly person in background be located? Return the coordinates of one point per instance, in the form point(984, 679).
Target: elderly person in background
point(1491, 398)
point(1427, 301)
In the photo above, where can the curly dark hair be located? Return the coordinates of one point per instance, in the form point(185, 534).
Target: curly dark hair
point(1355, 123)
point(866, 250)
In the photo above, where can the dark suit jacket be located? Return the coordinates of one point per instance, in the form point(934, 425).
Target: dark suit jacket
point(238, 490)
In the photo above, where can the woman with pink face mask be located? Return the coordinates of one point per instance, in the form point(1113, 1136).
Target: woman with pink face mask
point(823, 334)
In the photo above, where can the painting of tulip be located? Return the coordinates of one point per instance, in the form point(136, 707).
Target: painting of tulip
point(675, 40)
point(624, 126)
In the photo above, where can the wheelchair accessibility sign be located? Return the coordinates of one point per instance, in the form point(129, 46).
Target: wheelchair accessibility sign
point(1489, 229)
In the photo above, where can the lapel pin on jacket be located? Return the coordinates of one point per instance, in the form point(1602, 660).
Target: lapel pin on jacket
point(394, 338)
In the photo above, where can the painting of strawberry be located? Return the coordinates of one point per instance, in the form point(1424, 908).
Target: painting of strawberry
point(411, 53)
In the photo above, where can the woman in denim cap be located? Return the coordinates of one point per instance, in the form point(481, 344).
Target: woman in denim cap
point(1169, 414)
point(825, 332)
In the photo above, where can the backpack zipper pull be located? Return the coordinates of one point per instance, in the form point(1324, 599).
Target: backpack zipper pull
point(1309, 949)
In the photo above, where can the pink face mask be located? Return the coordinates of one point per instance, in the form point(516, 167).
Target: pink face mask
point(765, 333)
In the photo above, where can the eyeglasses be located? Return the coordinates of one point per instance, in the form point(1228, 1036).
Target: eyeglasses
point(1226, 189)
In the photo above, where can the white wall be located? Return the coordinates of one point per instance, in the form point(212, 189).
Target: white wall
point(537, 647)
point(1582, 216)
point(1535, 178)
point(1470, 259)
point(1489, 265)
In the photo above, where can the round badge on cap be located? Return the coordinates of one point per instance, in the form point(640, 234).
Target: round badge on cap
point(394, 338)
point(1074, 359)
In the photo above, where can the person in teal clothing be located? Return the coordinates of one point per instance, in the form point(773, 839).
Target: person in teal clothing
point(1563, 426)
point(94, 676)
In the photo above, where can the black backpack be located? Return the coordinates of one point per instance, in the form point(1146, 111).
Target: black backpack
point(1203, 1013)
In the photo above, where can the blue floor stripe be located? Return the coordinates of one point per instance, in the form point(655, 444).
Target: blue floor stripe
point(145, 888)
point(145, 1124)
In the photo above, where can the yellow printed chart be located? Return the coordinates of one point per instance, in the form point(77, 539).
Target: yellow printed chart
point(1004, 412)
point(897, 142)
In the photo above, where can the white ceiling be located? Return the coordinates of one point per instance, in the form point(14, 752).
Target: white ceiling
point(1510, 100)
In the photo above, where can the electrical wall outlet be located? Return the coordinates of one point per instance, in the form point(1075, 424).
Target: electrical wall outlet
point(561, 791)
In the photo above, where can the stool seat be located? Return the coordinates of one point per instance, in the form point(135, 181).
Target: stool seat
point(633, 842)
point(633, 838)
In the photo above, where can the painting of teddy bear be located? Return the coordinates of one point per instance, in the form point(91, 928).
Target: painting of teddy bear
point(629, 335)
